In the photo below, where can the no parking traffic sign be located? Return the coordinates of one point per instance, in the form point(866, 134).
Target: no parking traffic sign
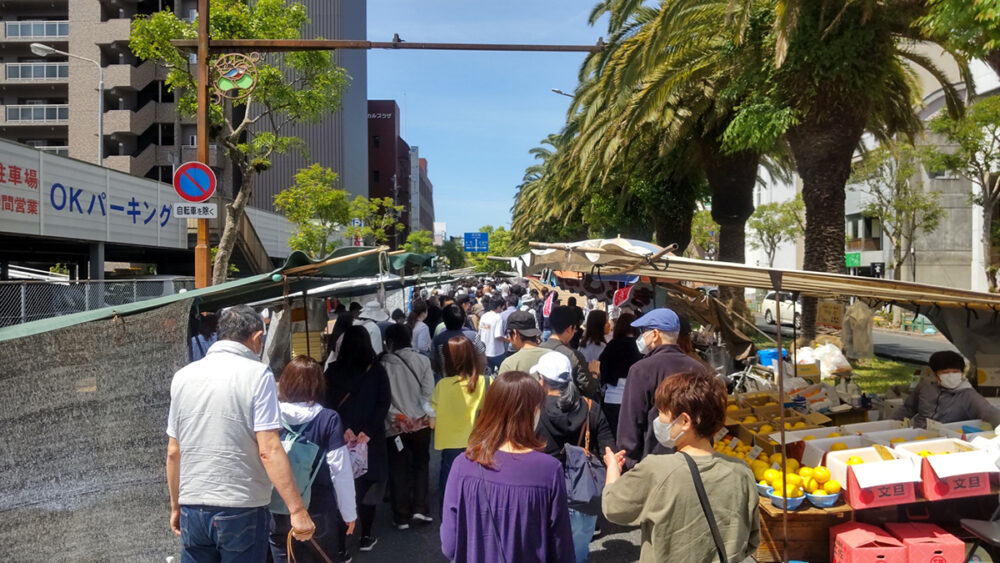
point(194, 182)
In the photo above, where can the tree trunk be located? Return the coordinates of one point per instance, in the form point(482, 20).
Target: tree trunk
point(673, 228)
point(731, 177)
point(234, 216)
point(823, 148)
point(989, 267)
point(993, 59)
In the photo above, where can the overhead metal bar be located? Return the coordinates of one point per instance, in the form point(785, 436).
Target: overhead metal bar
point(278, 45)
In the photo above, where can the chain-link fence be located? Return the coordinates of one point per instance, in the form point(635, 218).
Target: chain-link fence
point(26, 301)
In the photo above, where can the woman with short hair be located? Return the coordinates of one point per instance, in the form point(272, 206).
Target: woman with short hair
point(505, 500)
point(660, 493)
point(301, 388)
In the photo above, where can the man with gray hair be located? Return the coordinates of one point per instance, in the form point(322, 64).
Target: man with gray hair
point(224, 452)
point(658, 332)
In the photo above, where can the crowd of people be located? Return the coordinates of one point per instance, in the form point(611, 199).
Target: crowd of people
point(547, 418)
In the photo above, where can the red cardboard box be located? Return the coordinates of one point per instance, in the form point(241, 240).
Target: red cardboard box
point(875, 482)
point(927, 543)
point(854, 542)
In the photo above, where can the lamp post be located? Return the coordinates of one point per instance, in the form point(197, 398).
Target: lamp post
point(561, 93)
point(43, 50)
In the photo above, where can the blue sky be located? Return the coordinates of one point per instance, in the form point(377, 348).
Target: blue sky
point(475, 115)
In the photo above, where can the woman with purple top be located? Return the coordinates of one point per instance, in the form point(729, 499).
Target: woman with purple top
point(505, 500)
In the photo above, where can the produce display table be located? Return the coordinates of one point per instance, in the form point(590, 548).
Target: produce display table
point(809, 529)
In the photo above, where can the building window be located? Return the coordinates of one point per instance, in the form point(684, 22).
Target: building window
point(375, 141)
point(374, 175)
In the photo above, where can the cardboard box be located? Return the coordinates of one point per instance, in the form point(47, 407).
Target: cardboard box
point(735, 418)
point(815, 451)
point(876, 482)
point(854, 542)
point(878, 426)
point(964, 472)
point(927, 543)
point(886, 437)
point(958, 429)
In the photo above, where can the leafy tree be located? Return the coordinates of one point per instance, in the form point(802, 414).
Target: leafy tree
point(309, 89)
point(317, 208)
point(971, 26)
point(453, 251)
point(889, 177)
point(773, 224)
point(972, 150)
point(379, 219)
point(421, 242)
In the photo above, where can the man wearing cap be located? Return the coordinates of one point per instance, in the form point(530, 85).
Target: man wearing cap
point(563, 323)
point(657, 341)
point(523, 335)
point(369, 317)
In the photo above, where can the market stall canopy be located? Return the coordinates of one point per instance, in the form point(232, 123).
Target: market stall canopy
point(297, 273)
point(619, 256)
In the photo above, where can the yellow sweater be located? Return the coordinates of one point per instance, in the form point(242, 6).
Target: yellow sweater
point(456, 410)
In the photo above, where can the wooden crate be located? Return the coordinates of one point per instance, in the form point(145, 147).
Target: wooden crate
point(808, 532)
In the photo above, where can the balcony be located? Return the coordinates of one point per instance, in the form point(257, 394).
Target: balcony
point(133, 121)
point(35, 73)
point(61, 150)
point(117, 29)
point(132, 77)
point(36, 114)
point(864, 244)
point(32, 30)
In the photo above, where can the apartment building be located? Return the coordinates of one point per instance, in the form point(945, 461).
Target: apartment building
point(52, 103)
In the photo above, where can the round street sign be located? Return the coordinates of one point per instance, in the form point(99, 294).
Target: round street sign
point(194, 182)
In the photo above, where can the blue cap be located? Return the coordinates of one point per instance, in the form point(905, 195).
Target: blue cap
point(661, 319)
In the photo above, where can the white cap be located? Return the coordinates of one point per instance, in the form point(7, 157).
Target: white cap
point(554, 367)
point(372, 310)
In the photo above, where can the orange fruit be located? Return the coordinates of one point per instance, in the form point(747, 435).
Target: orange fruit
point(831, 487)
point(821, 474)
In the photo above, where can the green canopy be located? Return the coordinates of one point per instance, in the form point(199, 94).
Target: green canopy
point(297, 273)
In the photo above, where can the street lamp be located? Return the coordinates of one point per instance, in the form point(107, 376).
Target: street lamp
point(560, 92)
point(43, 50)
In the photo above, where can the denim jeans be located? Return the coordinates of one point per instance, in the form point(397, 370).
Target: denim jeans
point(216, 534)
point(448, 457)
point(583, 526)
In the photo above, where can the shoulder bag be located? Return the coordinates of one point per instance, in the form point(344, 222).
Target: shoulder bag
point(699, 487)
point(584, 473)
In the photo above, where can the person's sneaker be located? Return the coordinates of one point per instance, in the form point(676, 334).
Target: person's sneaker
point(344, 557)
point(367, 543)
point(422, 518)
point(400, 526)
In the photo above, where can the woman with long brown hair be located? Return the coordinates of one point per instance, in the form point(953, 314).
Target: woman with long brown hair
point(505, 500)
point(456, 400)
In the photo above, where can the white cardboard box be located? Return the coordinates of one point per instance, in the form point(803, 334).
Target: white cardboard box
point(885, 437)
point(874, 471)
point(863, 427)
point(958, 462)
point(816, 449)
point(954, 429)
point(797, 435)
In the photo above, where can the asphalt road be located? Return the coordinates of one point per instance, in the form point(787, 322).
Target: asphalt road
point(422, 543)
point(905, 347)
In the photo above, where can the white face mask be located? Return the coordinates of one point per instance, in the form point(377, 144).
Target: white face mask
point(951, 379)
point(641, 344)
point(662, 433)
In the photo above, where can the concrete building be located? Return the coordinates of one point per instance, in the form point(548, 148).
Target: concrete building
point(52, 104)
point(421, 194)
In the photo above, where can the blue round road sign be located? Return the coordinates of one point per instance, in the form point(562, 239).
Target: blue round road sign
point(194, 182)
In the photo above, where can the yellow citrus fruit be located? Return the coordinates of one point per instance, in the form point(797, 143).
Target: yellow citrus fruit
point(831, 487)
point(771, 474)
point(838, 446)
point(799, 425)
point(765, 429)
point(793, 479)
point(771, 404)
point(750, 419)
point(788, 426)
point(793, 491)
point(897, 440)
point(854, 460)
point(763, 483)
point(775, 458)
point(821, 474)
point(809, 437)
point(833, 435)
point(732, 408)
point(920, 438)
point(805, 472)
point(811, 485)
point(791, 465)
point(924, 453)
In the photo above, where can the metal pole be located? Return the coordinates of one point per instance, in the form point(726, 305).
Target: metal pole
point(276, 45)
point(202, 257)
point(100, 114)
point(776, 283)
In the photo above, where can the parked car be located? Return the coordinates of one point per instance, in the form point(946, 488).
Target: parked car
point(789, 313)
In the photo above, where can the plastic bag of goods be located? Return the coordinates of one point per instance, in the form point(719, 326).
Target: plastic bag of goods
point(831, 360)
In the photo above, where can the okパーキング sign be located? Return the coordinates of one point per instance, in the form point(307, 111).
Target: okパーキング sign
point(194, 182)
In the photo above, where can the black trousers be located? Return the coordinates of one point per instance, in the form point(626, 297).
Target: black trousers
point(409, 474)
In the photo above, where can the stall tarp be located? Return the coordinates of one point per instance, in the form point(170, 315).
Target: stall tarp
point(299, 271)
point(83, 431)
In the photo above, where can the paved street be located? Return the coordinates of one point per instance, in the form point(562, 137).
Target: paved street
point(905, 347)
point(422, 543)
